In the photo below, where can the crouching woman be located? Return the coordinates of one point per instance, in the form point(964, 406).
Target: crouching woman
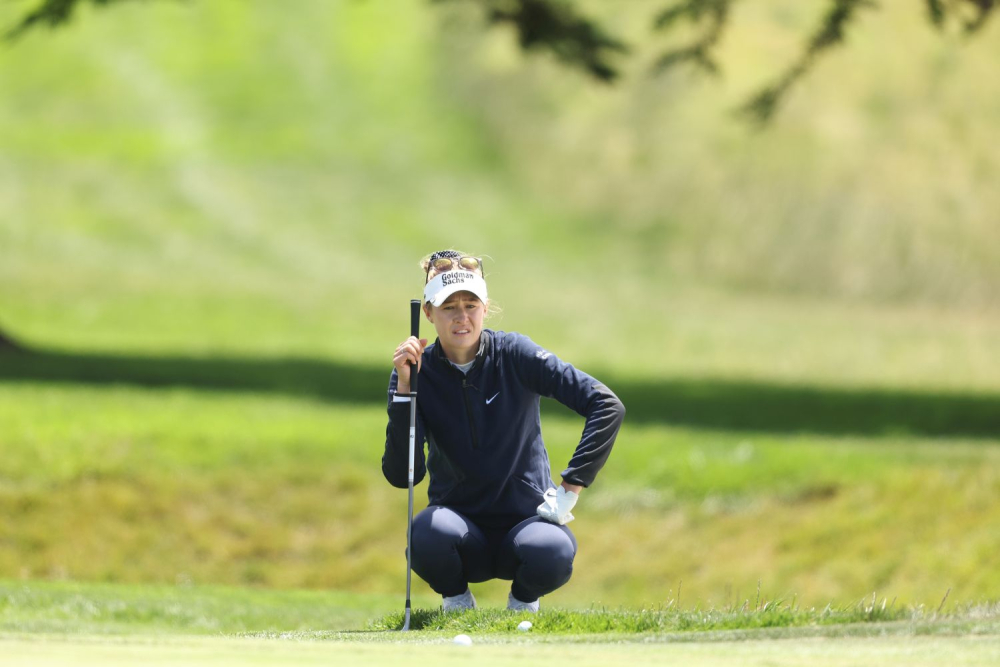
point(494, 511)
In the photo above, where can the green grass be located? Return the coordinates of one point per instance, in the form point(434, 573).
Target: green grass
point(210, 218)
point(183, 146)
point(84, 624)
point(845, 195)
point(179, 484)
point(790, 651)
point(72, 623)
point(77, 609)
point(67, 608)
point(769, 614)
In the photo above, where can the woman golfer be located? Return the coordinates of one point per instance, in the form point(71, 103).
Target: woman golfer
point(493, 510)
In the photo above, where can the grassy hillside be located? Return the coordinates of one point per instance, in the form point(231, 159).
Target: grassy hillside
point(210, 219)
point(873, 183)
point(202, 485)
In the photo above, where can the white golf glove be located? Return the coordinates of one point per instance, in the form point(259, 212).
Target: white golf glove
point(557, 505)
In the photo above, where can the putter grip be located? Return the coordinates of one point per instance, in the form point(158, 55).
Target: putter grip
point(415, 332)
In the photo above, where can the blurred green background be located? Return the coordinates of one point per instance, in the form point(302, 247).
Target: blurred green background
point(211, 217)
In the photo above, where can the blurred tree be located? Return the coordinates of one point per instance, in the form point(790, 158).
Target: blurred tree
point(560, 28)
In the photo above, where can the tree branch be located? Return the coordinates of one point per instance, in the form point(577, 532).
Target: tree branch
point(699, 53)
point(555, 26)
point(579, 42)
point(762, 106)
point(983, 10)
point(970, 14)
point(936, 13)
point(52, 13)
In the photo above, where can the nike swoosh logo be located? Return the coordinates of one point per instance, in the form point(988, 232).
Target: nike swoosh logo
point(490, 400)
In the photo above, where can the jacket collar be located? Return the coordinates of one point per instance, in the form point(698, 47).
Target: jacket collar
point(484, 340)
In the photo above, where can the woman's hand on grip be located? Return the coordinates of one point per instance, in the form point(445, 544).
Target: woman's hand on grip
point(408, 352)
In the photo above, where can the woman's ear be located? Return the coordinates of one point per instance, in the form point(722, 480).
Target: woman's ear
point(427, 312)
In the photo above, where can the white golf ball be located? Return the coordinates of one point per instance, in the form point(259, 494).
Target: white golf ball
point(463, 640)
point(524, 626)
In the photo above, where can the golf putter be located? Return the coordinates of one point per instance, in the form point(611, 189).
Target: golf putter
point(414, 331)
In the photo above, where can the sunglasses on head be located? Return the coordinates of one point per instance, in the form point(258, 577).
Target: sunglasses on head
point(442, 264)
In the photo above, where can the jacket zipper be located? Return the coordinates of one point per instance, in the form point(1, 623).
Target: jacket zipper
point(468, 411)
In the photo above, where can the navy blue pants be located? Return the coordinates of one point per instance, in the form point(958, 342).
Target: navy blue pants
point(450, 552)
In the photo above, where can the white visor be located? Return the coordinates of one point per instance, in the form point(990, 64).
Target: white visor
point(445, 284)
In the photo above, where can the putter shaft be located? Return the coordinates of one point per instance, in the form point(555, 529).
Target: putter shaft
point(414, 331)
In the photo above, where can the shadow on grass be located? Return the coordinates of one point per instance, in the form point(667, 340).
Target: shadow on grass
point(716, 404)
point(758, 406)
point(294, 376)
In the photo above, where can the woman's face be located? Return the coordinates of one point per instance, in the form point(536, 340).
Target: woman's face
point(458, 321)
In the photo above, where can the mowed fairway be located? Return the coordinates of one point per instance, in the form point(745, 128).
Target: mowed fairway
point(439, 652)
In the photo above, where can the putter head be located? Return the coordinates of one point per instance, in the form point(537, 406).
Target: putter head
point(406, 621)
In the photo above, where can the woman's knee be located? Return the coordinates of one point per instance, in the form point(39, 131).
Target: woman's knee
point(555, 562)
point(449, 551)
point(436, 531)
point(547, 550)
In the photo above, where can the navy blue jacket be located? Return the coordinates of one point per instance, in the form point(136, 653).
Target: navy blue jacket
point(485, 452)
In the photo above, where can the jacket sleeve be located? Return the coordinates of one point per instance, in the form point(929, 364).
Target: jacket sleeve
point(395, 460)
point(543, 372)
